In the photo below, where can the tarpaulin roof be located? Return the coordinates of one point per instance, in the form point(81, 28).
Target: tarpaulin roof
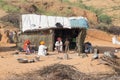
point(79, 23)
point(36, 22)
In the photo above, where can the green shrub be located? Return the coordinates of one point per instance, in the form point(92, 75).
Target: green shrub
point(91, 8)
point(2, 3)
point(105, 18)
point(10, 8)
point(7, 7)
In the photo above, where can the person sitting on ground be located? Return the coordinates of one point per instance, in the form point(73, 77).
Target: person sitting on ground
point(115, 40)
point(87, 47)
point(27, 47)
point(42, 50)
point(59, 45)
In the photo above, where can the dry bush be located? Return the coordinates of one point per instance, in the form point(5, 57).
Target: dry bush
point(53, 72)
point(114, 30)
point(59, 72)
point(31, 8)
point(112, 62)
point(62, 72)
point(12, 18)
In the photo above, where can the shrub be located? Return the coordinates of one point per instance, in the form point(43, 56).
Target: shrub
point(32, 9)
point(114, 30)
point(12, 18)
point(7, 7)
point(10, 8)
point(105, 18)
point(109, 28)
point(102, 27)
point(2, 3)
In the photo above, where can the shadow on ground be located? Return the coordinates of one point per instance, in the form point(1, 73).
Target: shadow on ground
point(5, 49)
point(102, 49)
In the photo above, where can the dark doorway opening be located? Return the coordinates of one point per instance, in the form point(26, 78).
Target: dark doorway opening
point(70, 34)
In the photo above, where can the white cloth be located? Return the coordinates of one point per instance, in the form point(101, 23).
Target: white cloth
point(30, 22)
point(66, 23)
point(115, 40)
point(109, 54)
point(42, 50)
point(51, 21)
point(60, 45)
point(80, 17)
point(44, 21)
point(59, 20)
point(34, 21)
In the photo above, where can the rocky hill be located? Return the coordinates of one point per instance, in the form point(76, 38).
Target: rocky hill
point(109, 7)
point(86, 8)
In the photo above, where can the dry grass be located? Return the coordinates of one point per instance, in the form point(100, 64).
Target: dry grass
point(60, 72)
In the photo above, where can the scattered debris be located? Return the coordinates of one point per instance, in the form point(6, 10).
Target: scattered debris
point(22, 60)
point(110, 54)
point(15, 53)
point(62, 72)
point(112, 62)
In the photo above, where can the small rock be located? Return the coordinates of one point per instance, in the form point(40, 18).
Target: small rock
point(37, 58)
point(66, 56)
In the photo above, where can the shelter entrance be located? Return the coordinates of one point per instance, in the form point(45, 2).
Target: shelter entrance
point(70, 34)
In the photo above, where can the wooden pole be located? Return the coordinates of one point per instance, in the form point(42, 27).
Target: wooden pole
point(80, 42)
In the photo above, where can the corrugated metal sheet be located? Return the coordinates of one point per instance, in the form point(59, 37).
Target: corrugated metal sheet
point(79, 23)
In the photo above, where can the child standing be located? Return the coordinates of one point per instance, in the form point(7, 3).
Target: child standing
point(59, 45)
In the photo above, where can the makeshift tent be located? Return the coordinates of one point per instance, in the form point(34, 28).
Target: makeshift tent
point(38, 28)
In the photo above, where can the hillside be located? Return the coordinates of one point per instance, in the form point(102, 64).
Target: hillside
point(110, 7)
point(87, 8)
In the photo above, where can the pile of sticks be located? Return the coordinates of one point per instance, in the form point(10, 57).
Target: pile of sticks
point(62, 72)
point(112, 62)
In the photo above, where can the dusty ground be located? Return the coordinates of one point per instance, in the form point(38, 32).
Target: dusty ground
point(9, 64)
